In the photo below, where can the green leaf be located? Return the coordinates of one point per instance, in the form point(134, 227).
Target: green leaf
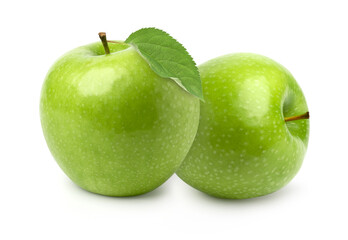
point(168, 58)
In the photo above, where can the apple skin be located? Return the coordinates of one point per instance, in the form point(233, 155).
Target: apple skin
point(243, 147)
point(113, 125)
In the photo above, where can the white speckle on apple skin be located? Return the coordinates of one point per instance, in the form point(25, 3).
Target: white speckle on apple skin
point(243, 144)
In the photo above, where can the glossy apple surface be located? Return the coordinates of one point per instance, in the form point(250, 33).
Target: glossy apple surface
point(243, 147)
point(113, 125)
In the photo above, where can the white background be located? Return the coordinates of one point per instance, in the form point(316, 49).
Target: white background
point(308, 37)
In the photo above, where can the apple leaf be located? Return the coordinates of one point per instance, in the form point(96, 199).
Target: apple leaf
point(168, 58)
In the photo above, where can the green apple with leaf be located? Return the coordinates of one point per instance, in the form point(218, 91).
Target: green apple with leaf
point(253, 130)
point(119, 117)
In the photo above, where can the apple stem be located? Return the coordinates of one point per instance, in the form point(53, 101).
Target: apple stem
point(102, 36)
point(302, 116)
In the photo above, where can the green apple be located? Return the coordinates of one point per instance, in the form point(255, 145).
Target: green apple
point(253, 131)
point(113, 125)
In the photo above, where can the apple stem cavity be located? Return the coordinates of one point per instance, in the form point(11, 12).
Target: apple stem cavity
point(299, 117)
point(102, 36)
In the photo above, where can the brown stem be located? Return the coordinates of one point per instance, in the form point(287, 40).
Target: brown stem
point(102, 36)
point(302, 116)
